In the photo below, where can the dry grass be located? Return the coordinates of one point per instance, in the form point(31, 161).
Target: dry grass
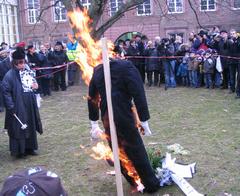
point(205, 122)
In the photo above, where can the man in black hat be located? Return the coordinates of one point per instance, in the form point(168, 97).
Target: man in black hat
point(59, 57)
point(36, 181)
point(18, 86)
point(126, 86)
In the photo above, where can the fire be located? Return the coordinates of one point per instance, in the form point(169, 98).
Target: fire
point(89, 55)
point(88, 52)
point(103, 152)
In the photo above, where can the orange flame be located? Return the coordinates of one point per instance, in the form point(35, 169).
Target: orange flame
point(88, 51)
point(104, 152)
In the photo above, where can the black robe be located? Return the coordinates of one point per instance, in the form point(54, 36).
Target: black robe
point(126, 85)
point(25, 106)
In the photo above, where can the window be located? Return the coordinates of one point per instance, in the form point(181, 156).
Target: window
point(144, 9)
point(60, 12)
point(175, 6)
point(86, 3)
point(114, 6)
point(208, 5)
point(236, 4)
point(8, 23)
point(33, 7)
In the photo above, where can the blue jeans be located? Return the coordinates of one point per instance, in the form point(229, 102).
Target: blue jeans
point(208, 80)
point(169, 68)
point(218, 79)
point(194, 74)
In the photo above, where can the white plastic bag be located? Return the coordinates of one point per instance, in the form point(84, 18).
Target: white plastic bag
point(219, 65)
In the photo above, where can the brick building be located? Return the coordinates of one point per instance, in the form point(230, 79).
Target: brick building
point(151, 19)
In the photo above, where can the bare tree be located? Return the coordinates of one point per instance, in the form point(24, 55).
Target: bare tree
point(96, 11)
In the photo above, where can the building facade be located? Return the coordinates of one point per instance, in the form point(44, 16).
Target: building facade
point(9, 25)
point(153, 18)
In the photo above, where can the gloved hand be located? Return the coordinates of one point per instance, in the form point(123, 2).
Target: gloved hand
point(95, 132)
point(146, 128)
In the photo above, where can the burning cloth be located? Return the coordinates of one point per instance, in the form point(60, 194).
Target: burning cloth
point(126, 86)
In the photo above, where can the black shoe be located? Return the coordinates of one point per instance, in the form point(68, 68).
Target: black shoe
point(18, 156)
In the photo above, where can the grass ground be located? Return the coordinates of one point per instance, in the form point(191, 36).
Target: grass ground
point(205, 122)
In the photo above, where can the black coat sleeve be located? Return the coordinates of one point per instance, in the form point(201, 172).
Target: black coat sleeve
point(7, 94)
point(93, 100)
point(134, 84)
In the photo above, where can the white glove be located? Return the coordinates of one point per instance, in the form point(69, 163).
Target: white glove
point(146, 128)
point(95, 132)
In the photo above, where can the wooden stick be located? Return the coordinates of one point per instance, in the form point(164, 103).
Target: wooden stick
point(107, 77)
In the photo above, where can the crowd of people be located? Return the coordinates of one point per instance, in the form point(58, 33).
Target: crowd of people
point(210, 59)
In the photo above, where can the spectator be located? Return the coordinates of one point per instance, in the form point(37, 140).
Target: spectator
point(208, 69)
point(73, 67)
point(59, 57)
point(152, 64)
point(46, 74)
point(234, 66)
point(4, 67)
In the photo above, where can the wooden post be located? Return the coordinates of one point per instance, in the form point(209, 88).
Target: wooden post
point(107, 77)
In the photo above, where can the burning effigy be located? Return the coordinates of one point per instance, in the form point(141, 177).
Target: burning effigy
point(126, 89)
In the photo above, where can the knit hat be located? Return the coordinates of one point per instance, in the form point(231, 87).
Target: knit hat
point(21, 44)
point(35, 181)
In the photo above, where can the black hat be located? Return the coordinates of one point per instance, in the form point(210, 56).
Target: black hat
point(223, 31)
point(3, 43)
point(30, 47)
point(33, 181)
point(18, 54)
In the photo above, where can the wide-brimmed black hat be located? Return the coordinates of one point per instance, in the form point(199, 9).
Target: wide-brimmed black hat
point(35, 181)
point(18, 54)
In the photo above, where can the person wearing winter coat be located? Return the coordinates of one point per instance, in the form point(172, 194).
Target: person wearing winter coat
point(59, 57)
point(152, 64)
point(46, 74)
point(19, 85)
point(208, 69)
point(4, 67)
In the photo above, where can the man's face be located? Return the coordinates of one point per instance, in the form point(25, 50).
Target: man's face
point(32, 50)
point(233, 34)
point(224, 35)
point(4, 46)
point(43, 48)
point(47, 45)
point(57, 47)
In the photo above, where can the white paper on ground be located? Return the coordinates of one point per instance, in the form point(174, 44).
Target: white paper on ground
point(179, 173)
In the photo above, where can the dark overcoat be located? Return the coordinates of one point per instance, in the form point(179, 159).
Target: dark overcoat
point(126, 86)
point(23, 104)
